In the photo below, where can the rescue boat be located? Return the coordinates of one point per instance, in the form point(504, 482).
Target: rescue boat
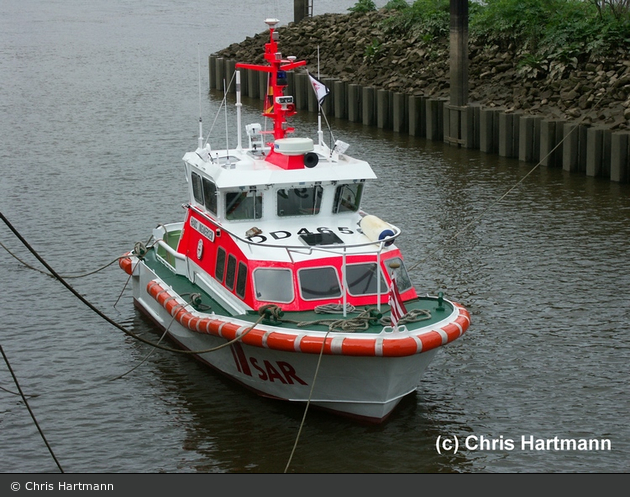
point(280, 280)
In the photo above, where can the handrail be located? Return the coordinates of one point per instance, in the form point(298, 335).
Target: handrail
point(386, 240)
point(171, 250)
point(300, 249)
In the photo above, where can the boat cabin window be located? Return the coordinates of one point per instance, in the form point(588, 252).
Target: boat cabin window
point(204, 192)
point(243, 205)
point(299, 201)
point(273, 285)
point(231, 272)
point(241, 280)
point(361, 279)
point(319, 283)
point(210, 195)
point(219, 270)
point(402, 277)
point(347, 198)
point(197, 188)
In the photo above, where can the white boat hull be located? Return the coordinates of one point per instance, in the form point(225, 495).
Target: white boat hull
point(362, 387)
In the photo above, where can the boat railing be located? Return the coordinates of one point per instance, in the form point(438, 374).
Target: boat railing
point(181, 261)
point(337, 250)
point(172, 259)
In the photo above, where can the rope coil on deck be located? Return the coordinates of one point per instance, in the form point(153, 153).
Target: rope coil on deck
point(367, 317)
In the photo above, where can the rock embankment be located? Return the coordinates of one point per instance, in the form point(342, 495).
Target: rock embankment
point(357, 48)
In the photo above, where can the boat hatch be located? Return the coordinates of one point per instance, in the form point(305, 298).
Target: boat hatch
point(313, 239)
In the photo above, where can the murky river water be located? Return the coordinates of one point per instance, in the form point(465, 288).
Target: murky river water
point(99, 102)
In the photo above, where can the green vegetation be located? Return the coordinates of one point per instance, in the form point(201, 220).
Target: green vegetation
point(549, 26)
point(363, 6)
point(424, 18)
point(547, 36)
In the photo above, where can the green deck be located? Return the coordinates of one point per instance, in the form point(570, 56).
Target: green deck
point(184, 287)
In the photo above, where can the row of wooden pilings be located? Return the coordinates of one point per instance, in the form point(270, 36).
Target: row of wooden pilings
point(590, 150)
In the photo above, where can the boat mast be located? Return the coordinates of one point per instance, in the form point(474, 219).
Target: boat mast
point(277, 107)
point(200, 139)
point(239, 146)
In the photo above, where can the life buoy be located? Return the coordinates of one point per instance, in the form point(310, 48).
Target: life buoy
point(200, 249)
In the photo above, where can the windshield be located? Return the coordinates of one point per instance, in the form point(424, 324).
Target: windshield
point(299, 201)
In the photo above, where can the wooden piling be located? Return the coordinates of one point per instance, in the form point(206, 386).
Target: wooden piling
point(529, 138)
point(594, 151)
point(620, 157)
point(219, 74)
point(417, 117)
point(369, 105)
point(341, 99)
point(302, 88)
point(435, 119)
point(399, 112)
point(551, 133)
point(354, 103)
point(383, 110)
point(489, 130)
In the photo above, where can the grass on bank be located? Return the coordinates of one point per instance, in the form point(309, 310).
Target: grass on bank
point(545, 34)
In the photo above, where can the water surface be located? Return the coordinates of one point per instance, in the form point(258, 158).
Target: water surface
point(99, 103)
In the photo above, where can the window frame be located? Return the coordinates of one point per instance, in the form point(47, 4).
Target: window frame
point(257, 203)
point(241, 279)
point(317, 193)
point(261, 297)
point(328, 297)
point(221, 256)
point(384, 287)
point(197, 187)
point(338, 200)
point(405, 273)
point(210, 195)
point(230, 272)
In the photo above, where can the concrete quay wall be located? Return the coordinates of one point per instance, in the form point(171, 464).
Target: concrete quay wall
point(575, 147)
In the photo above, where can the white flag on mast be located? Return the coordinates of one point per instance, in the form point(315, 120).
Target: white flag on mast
point(319, 88)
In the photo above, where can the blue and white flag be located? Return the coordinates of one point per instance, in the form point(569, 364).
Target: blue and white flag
point(320, 89)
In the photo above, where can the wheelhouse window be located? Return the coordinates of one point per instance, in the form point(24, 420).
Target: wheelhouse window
point(231, 272)
point(241, 279)
point(210, 195)
point(204, 192)
point(299, 201)
point(273, 285)
point(362, 279)
point(243, 205)
point(319, 283)
point(219, 270)
point(395, 265)
point(347, 198)
point(197, 188)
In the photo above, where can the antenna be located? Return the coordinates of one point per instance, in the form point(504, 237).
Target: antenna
point(238, 110)
point(200, 139)
point(320, 134)
point(227, 134)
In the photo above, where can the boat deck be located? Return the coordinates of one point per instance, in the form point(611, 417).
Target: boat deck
point(436, 308)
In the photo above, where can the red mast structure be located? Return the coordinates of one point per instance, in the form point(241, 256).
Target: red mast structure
point(277, 106)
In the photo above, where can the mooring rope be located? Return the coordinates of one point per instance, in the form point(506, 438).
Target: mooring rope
point(362, 321)
point(308, 402)
point(17, 384)
point(102, 314)
point(66, 276)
